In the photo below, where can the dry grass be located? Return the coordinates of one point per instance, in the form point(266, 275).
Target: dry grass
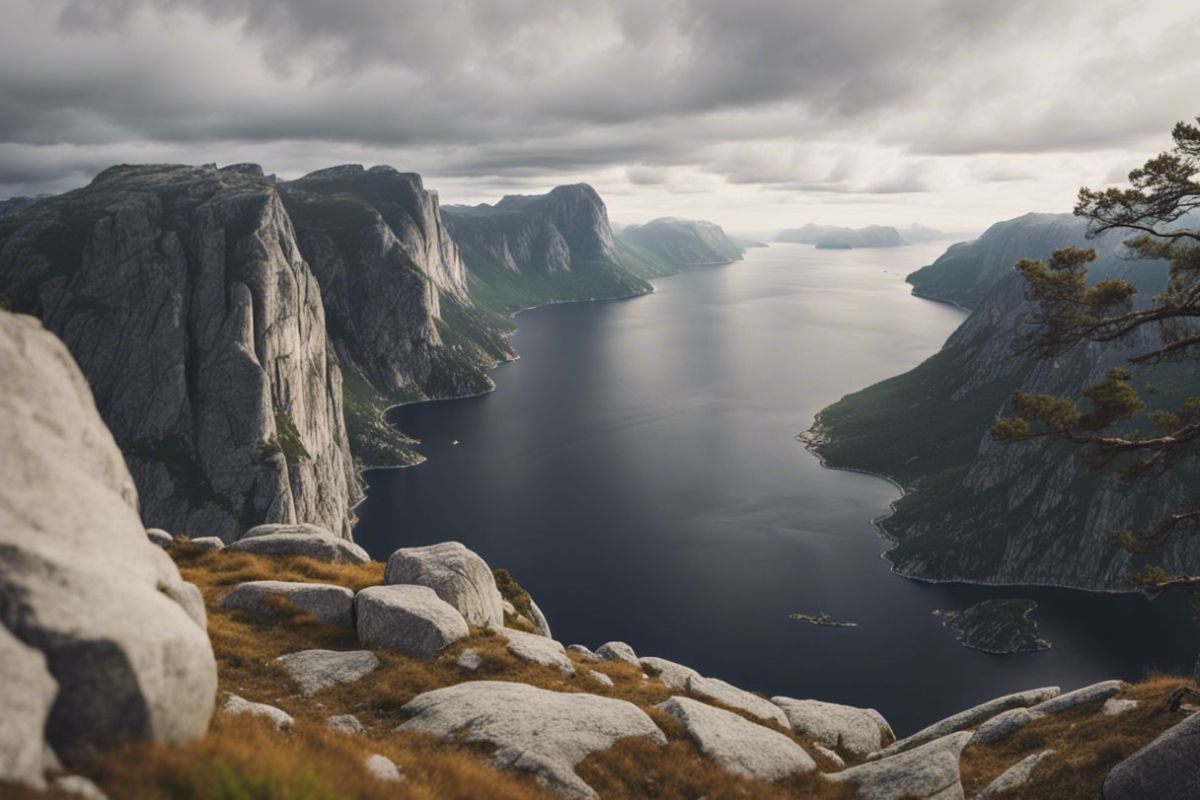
point(1087, 744)
point(245, 759)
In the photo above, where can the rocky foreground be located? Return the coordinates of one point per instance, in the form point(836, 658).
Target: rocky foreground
point(286, 663)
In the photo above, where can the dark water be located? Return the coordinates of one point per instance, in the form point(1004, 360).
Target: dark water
point(636, 470)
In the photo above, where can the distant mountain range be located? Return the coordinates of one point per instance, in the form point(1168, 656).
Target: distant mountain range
point(836, 237)
point(683, 241)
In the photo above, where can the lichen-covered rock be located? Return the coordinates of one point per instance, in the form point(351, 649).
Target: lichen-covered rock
point(345, 723)
point(1002, 726)
point(120, 631)
point(926, 772)
point(540, 623)
point(736, 744)
point(314, 670)
point(26, 694)
point(273, 528)
point(859, 731)
point(1114, 707)
point(969, 718)
point(333, 549)
point(600, 678)
point(1165, 769)
point(239, 705)
point(411, 619)
point(1015, 776)
point(617, 651)
point(538, 649)
point(325, 601)
point(583, 652)
point(1068, 700)
point(470, 659)
point(458, 576)
point(183, 295)
point(535, 730)
point(672, 675)
point(729, 695)
point(382, 768)
point(208, 543)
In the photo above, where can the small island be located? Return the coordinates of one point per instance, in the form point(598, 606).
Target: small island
point(821, 618)
point(996, 626)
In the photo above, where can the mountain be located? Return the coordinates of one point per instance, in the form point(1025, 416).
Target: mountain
point(15, 205)
point(397, 305)
point(834, 237)
point(683, 241)
point(183, 296)
point(981, 511)
point(531, 249)
point(916, 233)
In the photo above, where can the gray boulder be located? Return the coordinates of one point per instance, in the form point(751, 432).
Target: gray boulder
point(382, 768)
point(275, 528)
point(345, 723)
point(535, 730)
point(26, 694)
point(121, 633)
point(1002, 726)
point(1114, 707)
point(583, 651)
point(470, 659)
point(411, 619)
point(276, 716)
point(329, 603)
point(859, 731)
point(538, 649)
point(736, 744)
point(208, 543)
point(456, 574)
point(1088, 694)
point(1165, 769)
point(321, 547)
point(729, 695)
point(1015, 776)
point(926, 772)
point(540, 623)
point(314, 670)
point(617, 651)
point(600, 678)
point(672, 675)
point(160, 537)
point(79, 786)
point(969, 718)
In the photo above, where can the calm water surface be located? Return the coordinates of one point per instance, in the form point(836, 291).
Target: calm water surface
point(636, 470)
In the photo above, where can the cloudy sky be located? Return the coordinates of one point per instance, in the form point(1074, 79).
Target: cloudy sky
point(754, 113)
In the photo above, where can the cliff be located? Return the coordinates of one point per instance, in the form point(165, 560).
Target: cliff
point(835, 237)
point(978, 510)
point(396, 298)
point(528, 250)
point(182, 294)
point(683, 241)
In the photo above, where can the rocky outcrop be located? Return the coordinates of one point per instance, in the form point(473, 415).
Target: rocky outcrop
point(717, 690)
point(1165, 769)
point(736, 744)
point(538, 649)
point(996, 626)
point(672, 675)
point(118, 630)
point(330, 604)
point(458, 576)
point(617, 651)
point(183, 296)
point(683, 242)
point(858, 731)
point(321, 546)
point(928, 772)
point(836, 237)
point(542, 732)
point(1015, 776)
point(411, 619)
point(990, 512)
point(314, 670)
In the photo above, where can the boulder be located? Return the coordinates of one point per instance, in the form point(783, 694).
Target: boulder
point(858, 731)
point(535, 730)
point(208, 543)
point(329, 603)
point(600, 678)
point(538, 649)
point(276, 528)
point(582, 652)
point(121, 633)
point(314, 670)
point(1114, 708)
point(382, 768)
point(470, 659)
point(1002, 726)
point(1088, 694)
point(79, 786)
point(672, 675)
point(276, 716)
point(617, 651)
point(729, 695)
point(540, 623)
point(969, 719)
point(1015, 776)
point(737, 744)
point(833, 757)
point(323, 548)
point(26, 695)
point(160, 537)
point(1165, 769)
point(345, 723)
point(926, 772)
point(411, 619)
point(456, 574)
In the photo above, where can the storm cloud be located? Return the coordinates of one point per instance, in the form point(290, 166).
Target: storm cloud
point(749, 101)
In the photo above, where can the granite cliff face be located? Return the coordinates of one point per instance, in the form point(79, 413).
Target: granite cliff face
point(683, 241)
point(983, 511)
point(182, 294)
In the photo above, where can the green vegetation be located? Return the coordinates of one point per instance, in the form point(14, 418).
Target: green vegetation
point(513, 592)
point(290, 442)
point(373, 442)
